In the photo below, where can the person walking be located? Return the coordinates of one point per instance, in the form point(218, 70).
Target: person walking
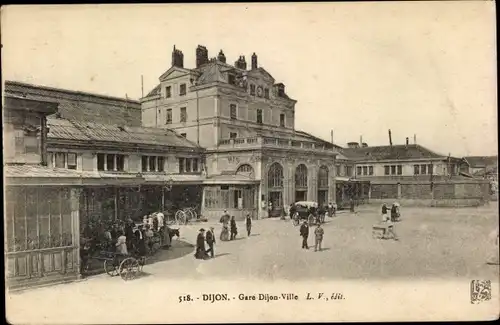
point(304, 233)
point(201, 253)
point(385, 217)
point(234, 229)
point(210, 238)
point(318, 237)
point(248, 222)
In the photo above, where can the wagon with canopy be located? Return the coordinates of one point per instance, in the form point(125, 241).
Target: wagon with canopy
point(305, 210)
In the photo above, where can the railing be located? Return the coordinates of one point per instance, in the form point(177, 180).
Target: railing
point(271, 141)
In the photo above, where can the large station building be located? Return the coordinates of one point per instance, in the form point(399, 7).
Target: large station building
point(245, 120)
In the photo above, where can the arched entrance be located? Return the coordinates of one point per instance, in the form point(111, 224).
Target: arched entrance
point(301, 183)
point(323, 185)
point(275, 185)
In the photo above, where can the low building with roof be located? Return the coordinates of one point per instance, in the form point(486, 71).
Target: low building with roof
point(414, 174)
point(65, 168)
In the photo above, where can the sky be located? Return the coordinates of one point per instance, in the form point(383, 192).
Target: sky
point(426, 69)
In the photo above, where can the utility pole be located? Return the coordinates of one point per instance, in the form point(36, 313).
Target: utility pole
point(142, 86)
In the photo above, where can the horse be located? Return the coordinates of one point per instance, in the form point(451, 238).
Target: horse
point(174, 232)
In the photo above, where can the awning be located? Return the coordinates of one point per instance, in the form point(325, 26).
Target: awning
point(466, 174)
point(26, 174)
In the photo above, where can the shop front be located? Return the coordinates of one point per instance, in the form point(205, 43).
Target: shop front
point(237, 195)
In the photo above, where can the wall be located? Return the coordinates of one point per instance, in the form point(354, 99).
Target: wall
point(451, 193)
point(14, 126)
point(230, 161)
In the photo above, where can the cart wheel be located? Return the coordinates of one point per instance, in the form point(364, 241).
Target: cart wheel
point(195, 214)
point(129, 269)
point(110, 268)
point(180, 217)
point(189, 214)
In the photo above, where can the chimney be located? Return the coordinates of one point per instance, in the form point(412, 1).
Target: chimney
point(352, 145)
point(177, 58)
point(360, 140)
point(390, 138)
point(201, 56)
point(241, 63)
point(414, 139)
point(407, 141)
point(221, 57)
point(281, 89)
point(254, 61)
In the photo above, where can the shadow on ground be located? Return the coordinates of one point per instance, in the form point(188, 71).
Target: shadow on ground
point(179, 249)
point(220, 255)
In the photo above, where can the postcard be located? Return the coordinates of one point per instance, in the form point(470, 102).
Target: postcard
point(250, 162)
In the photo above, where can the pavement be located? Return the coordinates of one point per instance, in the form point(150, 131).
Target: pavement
point(435, 243)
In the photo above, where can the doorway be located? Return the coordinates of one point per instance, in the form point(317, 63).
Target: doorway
point(300, 195)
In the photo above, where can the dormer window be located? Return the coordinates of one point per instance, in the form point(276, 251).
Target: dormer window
point(252, 90)
point(266, 93)
point(182, 90)
point(231, 79)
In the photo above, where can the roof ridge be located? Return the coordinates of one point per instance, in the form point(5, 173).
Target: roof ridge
point(76, 92)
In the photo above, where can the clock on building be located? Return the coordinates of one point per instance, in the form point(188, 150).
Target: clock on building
point(259, 91)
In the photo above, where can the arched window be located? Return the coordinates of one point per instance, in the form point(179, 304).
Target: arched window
point(275, 176)
point(301, 176)
point(245, 169)
point(323, 177)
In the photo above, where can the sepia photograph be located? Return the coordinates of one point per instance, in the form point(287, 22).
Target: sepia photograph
point(250, 162)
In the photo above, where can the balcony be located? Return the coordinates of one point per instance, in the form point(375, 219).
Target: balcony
point(271, 142)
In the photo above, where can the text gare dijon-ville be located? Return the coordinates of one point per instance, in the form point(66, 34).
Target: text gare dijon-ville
point(221, 297)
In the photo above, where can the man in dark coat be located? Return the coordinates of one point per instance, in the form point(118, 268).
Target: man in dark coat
point(129, 233)
point(304, 232)
point(200, 245)
point(249, 224)
point(210, 237)
point(234, 229)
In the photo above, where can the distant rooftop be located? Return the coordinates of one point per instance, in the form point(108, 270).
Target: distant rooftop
point(81, 106)
point(481, 161)
point(411, 151)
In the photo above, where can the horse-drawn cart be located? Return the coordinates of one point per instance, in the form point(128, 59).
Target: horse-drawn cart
point(128, 267)
point(305, 210)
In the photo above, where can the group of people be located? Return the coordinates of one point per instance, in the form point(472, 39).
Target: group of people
point(389, 219)
point(125, 237)
point(229, 232)
point(318, 236)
